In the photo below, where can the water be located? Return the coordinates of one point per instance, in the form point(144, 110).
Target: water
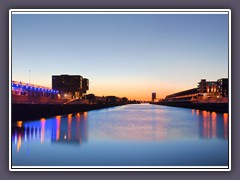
point(130, 135)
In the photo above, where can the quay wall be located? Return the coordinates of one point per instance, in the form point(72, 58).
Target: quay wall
point(24, 112)
point(213, 107)
point(16, 99)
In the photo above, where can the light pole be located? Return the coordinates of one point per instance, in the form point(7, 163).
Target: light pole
point(29, 76)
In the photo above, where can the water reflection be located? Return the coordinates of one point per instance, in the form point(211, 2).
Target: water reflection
point(122, 124)
point(130, 135)
point(73, 130)
point(212, 124)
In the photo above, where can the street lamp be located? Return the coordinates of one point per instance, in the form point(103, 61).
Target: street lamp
point(29, 76)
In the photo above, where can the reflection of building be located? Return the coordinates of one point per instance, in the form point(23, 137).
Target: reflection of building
point(211, 124)
point(70, 86)
point(70, 129)
point(211, 91)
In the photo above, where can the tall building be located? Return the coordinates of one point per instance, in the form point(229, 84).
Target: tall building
point(154, 96)
point(70, 86)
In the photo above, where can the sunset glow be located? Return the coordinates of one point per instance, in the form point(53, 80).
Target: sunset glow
point(121, 54)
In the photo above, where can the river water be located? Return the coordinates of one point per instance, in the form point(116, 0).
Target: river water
point(129, 135)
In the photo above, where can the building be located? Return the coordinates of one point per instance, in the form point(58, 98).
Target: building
point(223, 87)
point(70, 86)
point(206, 91)
point(85, 85)
point(213, 89)
point(186, 95)
point(26, 89)
point(154, 96)
point(26, 93)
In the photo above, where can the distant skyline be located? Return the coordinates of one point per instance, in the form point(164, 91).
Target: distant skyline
point(129, 55)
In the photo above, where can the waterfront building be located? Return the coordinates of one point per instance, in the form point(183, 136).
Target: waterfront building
point(206, 91)
point(223, 87)
point(26, 89)
point(85, 85)
point(33, 94)
point(70, 86)
point(186, 95)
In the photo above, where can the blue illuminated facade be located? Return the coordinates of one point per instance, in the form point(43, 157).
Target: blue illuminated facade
point(25, 89)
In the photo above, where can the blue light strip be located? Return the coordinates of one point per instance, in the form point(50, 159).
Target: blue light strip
point(32, 88)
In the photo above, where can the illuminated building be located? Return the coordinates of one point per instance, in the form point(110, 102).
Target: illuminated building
point(213, 89)
point(206, 91)
point(70, 86)
point(31, 90)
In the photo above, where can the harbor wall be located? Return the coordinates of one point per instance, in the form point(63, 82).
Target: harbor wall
point(213, 107)
point(24, 112)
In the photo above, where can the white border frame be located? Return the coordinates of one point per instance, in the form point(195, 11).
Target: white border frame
point(119, 11)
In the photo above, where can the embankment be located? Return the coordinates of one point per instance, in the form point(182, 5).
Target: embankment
point(24, 112)
point(213, 107)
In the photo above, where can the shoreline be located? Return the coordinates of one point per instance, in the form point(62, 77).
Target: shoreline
point(28, 112)
point(212, 107)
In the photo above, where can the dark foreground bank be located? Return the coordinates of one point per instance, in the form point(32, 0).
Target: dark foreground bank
point(213, 107)
point(24, 112)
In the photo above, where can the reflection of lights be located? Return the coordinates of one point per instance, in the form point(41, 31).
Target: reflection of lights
point(225, 125)
point(34, 135)
point(69, 126)
point(85, 115)
point(65, 136)
point(25, 135)
point(214, 124)
point(197, 112)
point(206, 124)
point(19, 142)
point(192, 111)
point(15, 138)
point(19, 124)
point(58, 119)
point(43, 120)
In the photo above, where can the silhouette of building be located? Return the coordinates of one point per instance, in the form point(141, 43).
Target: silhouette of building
point(70, 86)
point(186, 95)
point(223, 87)
point(154, 96)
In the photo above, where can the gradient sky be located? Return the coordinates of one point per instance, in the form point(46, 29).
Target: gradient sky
point(128, 55)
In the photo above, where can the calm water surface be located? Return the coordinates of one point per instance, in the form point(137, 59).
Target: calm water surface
point(130, 135)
